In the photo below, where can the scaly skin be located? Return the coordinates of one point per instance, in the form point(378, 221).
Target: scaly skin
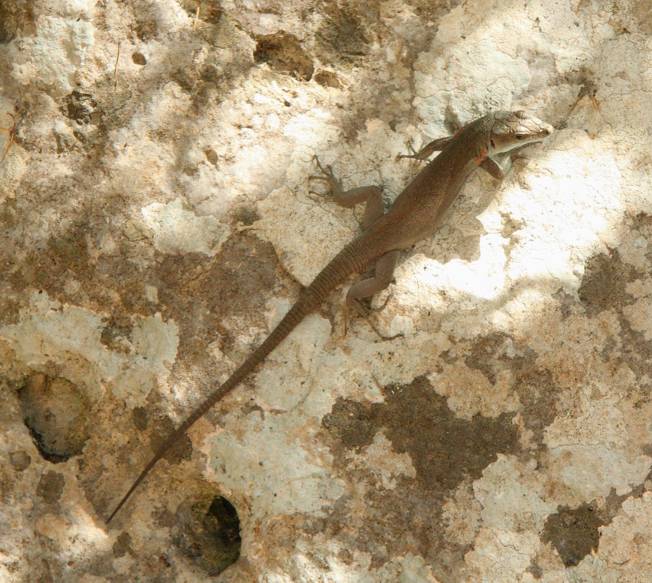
point(488, 142)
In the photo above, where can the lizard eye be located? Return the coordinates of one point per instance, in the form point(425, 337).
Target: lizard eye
point(520, 136)
point(493, 144)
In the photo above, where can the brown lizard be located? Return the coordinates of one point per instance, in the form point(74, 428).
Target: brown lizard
point(489, 142)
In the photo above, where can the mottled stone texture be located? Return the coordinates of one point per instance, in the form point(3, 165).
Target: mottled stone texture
point(489, 422)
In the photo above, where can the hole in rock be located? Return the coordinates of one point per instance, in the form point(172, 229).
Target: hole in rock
point(208, 532)
point(56, 414)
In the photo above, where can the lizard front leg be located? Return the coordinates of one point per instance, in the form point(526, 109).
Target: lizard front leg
point(428, 150)
point(498, 165)
point(370, 195)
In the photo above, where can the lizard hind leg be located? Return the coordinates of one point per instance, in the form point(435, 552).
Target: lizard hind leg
point(367, 287)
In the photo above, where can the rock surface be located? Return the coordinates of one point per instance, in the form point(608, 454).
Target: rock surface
point(490, 421)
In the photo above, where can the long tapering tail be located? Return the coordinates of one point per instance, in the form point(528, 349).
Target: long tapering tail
point(348, 261)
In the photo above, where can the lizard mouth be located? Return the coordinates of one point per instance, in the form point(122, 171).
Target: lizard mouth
point(531, 128)
point(545, 130)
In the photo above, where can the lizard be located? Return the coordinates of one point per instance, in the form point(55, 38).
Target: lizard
point(488, 142)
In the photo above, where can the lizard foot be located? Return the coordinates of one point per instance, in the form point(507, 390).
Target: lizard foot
point(327, 175)
point(361, 309)
point(413, 153)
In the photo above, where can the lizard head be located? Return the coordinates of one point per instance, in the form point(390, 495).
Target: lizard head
point(515, 129)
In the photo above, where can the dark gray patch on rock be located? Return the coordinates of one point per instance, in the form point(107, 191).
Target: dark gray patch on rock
point(179, 451)
point(81, 107)
point(636, 351)
point(352, 423)
point(140, 417)
point(283, 52)
point(538, 395)
point(604, 282)
point(485, 352)
point(122, 545)
point(343, 36)
point(20, 460)
point(50, 486)
point(574, 532)
point(444, 450)
point(535, 570)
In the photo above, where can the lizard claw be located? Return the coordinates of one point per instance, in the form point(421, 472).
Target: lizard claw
point(412, 154)
point(327, 176)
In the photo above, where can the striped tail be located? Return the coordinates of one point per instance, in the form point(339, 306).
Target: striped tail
point(349, 260)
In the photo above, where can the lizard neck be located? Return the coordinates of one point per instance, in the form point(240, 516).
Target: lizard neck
point(464, 154)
